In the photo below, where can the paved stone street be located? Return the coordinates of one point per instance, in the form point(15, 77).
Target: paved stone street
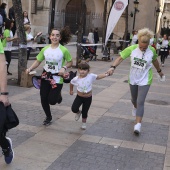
point(108, 143)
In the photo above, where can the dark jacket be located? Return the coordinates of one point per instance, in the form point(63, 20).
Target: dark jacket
point(96, 36)
point(11, 13)
point(3, 13)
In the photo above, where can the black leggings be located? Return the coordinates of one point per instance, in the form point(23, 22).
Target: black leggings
point(28, 52)
point(85, 102)
point(49, 96)
point(8, 58)
point(3, 141)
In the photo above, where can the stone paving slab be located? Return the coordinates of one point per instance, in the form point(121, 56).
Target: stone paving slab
point(151, 111)
point(122, 129)
point(22, 163)
point(86, 155)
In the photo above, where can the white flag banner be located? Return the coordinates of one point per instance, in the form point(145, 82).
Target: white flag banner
point(115, 13)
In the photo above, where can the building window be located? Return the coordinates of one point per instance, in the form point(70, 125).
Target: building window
point(33, 6)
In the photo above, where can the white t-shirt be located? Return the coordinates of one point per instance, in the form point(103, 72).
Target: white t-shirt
point(29, 37)
point(91, 37)
point(84, 85)
point(164, 43)
point(26, 21)
point(141, 64)
point(134, 39)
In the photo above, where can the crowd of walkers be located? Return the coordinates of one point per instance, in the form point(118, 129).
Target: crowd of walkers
point(57, 59)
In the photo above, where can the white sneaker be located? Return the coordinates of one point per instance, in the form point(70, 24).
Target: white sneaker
point(137, 128)
point(77, 116)
point(162, 65)
point(134, 111)
point(83, 126)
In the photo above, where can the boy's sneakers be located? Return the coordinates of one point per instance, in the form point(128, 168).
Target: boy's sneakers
point(8, 153)
point(83, 126)
point(77, 116)
point(137, 128)
point(60, 98)
point(47, 121)
point(133, 111)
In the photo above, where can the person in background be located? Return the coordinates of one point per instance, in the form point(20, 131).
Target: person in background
point(143, 57)
point(3, 12)
point(26, 19)
point(3, 15)
point(91, 36)
point(134, 37)
point(164, 49)
point(5, 142)
point(96, 38)
point(11, 15)
point(8, 39)
point(30, 39)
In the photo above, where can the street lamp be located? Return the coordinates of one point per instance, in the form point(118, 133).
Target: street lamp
point(157, 14)
point(136, 3)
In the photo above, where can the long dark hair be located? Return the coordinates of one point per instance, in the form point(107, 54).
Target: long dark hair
point(65, 35)
point(8, 24)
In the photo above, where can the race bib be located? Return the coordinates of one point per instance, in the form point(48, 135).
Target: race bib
point(51, 67)
point(139, 63)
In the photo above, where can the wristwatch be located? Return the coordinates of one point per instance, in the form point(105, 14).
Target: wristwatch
point(65, 67)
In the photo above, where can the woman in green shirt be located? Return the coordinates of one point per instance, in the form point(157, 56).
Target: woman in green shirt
point(8, 38)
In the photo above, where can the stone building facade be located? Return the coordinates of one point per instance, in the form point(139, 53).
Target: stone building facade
point(41, 15)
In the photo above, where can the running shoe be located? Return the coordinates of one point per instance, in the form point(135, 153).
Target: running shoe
point(137, 128)
point(8, 153)
point(77, 116)
point(83, 126)
point(47, 121)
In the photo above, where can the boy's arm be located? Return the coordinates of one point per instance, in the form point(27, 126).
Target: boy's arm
point(71, 89)
point(101, 76)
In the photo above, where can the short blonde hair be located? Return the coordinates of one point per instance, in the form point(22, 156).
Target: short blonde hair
point(26, 27)
point(144, 35)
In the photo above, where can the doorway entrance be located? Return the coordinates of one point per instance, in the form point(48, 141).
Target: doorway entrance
point(72, 15)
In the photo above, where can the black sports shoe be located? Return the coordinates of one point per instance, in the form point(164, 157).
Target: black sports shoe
point(47, 121)
point(8, 153)
point(60, 98)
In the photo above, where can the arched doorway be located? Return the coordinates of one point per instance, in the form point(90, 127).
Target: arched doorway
point(72, 15)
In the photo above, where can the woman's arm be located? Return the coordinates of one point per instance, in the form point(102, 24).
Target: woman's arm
point(64, 68)
point(11, 39)
point(33, 66)
point(3, 82)
point(114, 65)
point(156, 65)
